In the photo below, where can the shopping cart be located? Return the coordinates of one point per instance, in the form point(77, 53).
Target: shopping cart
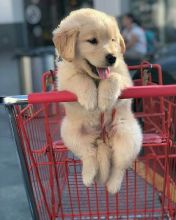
point(52, 174)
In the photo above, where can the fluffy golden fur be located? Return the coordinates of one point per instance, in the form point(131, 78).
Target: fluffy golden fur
point(83, 40)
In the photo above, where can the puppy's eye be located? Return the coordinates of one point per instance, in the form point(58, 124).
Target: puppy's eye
point(113, 39)
point(93, 41)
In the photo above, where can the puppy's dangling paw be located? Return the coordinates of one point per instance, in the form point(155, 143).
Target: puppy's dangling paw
point(88, 180)
point(103, 157)
point(113, 187)
point(88, 100)
point(90, 168)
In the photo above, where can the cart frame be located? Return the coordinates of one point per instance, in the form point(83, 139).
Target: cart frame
point(65, 96)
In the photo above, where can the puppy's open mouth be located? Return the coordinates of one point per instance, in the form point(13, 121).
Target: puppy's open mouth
point(101, 72)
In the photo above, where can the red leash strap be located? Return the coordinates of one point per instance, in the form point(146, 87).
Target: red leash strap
point(104, 133)
point(103, 129)
point(113, 114)
point(102, 120)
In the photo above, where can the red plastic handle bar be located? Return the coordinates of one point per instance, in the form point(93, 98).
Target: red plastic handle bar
point(131, 92)
point(145, 65)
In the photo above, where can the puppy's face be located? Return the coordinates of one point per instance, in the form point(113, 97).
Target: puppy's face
point(93, 42)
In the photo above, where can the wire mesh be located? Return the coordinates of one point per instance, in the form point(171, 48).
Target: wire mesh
point(148, 189)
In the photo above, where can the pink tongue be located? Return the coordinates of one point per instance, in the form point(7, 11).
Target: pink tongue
point(103, 72)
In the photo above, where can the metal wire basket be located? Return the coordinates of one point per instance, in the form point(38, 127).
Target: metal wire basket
point(52, 174)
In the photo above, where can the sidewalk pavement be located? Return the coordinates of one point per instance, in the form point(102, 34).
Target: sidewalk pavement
point(13, 200)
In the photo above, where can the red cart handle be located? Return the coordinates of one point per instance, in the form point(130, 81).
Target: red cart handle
point(131, 92)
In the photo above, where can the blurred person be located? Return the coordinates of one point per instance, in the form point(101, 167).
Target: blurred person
point(151, 41)
point(134, 36)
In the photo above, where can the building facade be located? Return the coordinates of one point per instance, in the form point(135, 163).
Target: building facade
point(29, 23)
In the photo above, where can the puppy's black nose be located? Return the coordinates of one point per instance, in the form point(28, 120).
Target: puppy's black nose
point(110, 59)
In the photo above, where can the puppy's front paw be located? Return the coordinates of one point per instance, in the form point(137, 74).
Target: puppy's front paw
point(88, 100)
point(106, 102)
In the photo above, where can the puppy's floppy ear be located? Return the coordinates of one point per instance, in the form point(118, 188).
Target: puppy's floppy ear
point(65, 42)
point(122, 44)
point(121, 40)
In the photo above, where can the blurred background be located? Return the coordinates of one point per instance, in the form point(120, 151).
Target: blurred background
point(26, 51)
point(26, 30)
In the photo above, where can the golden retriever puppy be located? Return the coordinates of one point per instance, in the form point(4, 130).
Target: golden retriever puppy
point(93, 68)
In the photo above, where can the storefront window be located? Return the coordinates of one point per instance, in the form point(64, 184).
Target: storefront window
point(42, 16)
